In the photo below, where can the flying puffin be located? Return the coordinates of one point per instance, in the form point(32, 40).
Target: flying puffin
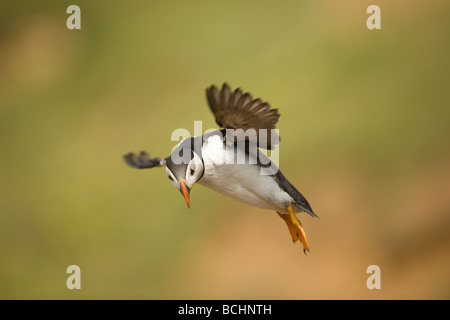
point(229, 160)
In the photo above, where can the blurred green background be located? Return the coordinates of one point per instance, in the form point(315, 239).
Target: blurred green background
point(365, 127)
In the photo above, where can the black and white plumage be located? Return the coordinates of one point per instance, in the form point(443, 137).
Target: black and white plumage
point(229, 161)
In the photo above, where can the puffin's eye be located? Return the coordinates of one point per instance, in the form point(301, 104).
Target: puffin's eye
point(192, 172)
point(170, 177)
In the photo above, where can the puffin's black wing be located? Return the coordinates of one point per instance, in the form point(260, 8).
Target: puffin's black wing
point(142, 161)
point(238, 110)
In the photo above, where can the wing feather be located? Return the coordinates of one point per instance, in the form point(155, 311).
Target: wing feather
point(238, 110)
point(142, 161)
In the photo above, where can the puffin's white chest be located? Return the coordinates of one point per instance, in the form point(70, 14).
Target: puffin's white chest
point(243, 182)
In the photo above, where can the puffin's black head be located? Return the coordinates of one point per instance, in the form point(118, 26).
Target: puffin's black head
point(184, 168)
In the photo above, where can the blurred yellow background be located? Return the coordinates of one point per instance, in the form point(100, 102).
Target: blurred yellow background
point(365, 127)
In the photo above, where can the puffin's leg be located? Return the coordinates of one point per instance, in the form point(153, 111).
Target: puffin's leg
point(291, 227)
point(298, 228)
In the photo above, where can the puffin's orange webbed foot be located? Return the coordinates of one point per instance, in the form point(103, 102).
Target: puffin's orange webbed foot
point(295, 228)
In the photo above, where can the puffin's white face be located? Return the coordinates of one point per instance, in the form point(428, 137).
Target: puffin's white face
point(194, 170)
point(184, 176)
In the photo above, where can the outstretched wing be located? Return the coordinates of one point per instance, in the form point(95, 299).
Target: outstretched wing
point(238, 110)
point(143, 161)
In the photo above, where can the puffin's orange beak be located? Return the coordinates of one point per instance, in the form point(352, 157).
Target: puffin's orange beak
point(185, 191)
